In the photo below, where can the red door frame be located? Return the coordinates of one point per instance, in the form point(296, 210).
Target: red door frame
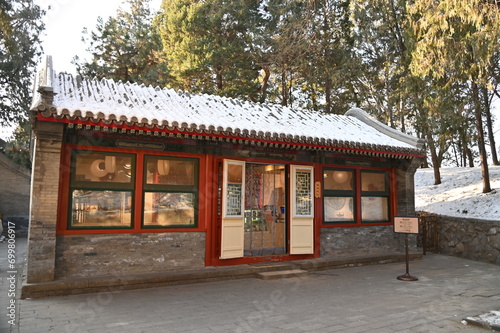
point(215, 225)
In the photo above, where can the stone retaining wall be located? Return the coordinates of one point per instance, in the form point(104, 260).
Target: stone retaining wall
point(470, 238)
point(15, 189)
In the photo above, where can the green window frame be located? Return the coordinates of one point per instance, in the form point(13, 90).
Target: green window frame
point(356, 196)
point(375, 199)
point(101, 194)
point(170, 192)
point(339, 196)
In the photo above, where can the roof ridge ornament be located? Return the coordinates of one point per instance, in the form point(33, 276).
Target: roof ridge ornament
point(387, 130)
point(44, 94)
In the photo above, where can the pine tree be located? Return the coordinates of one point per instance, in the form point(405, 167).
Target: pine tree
point(458, 37)
point(125, 47)
point(209, 46)
point(382, 46)
point(20, 28)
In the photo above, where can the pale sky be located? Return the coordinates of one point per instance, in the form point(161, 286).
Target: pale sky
point(64, 23)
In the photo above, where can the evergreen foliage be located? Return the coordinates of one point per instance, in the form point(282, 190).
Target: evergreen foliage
point(125, 48)
point(209, 46)
point(426, 67)
point(455, 41)
point(20, 27)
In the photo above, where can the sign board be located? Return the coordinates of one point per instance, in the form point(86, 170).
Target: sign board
point(317, 190)
point(406, 225)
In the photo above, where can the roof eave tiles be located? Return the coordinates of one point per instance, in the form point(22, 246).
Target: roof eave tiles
point(102, 104)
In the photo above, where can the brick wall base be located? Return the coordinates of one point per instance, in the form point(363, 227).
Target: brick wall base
point(44, 202)
point(128, 254)
point(342, 242)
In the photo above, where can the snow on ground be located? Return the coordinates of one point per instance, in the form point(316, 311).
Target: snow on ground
point(490, 320)
point(459, 194)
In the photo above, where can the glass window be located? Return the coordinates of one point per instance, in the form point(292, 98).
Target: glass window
point(165, 171)
point(167, 209)
point(338, 196)
point(93, 167)
point(355, 196)
point(338, 180)
point(303, 192)
point(101, 190)
point(101, 208)
point(374, 209)
point(234, 188)
point(170, 192)
point(373, 181)
point(374, 196)
point(339, 209)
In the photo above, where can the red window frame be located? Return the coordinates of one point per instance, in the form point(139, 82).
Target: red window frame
point(64, 191)
point(392, 188)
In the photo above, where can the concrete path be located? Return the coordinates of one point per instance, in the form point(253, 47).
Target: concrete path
point(362, 299)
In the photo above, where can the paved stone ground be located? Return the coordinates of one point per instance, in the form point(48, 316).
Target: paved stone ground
point(361, 299)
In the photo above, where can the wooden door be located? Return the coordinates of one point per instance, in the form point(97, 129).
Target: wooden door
point(302, 210)
point(233, 216)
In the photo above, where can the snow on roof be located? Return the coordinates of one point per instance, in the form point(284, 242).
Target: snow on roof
point(116, 102)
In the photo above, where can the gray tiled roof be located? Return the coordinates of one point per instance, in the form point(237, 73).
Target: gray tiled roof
point(153, 108)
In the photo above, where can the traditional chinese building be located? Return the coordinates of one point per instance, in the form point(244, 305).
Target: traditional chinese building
point(130, 179)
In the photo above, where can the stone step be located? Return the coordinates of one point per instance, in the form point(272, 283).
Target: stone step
point(273, 275)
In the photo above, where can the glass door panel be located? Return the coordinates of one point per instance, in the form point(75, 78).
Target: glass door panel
point(264, 209)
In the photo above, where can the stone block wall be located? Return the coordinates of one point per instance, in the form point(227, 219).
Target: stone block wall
point(80, 256)
point(44, 202)
point(351, 241)
point(405, 180)
point(470, 238)
point(15, 189)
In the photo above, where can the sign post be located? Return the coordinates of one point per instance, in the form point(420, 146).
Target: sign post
point(406, 225)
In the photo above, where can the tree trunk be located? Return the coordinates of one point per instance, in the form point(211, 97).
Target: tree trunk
point(314, 97)
point(458, 160)
point(218, 81)
point(434, 158)
point(483, 157)
point(470, 158)
point(425, 162)
point(467, 157)
point(489, 126)
point(284, 89)
point(328, 95)
point(265, 84)
point(391, 115)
